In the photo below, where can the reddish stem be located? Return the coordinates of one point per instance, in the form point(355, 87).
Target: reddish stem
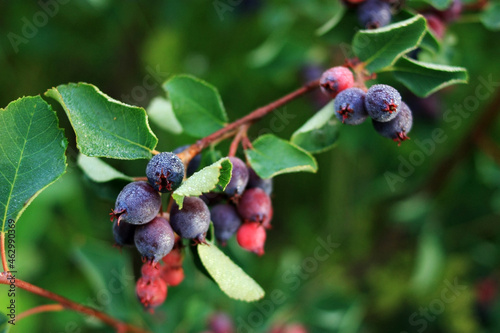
point(237, 139)
point(4, 258)
point(68, 304)
point(39, 309)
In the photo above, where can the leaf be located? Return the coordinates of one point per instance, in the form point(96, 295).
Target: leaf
point(320, 132)
point(439, 4)
point(424, 79)
point(338, 10)
point(99, 171)
point(4, 323)
point(430, 43)
point(161, 113)
point(379, 48)
point(32, 148)
point(196, 104)
point(216, 175)
point(491, 16)
point(232, 280)
point(272, 156)
point(105, 127)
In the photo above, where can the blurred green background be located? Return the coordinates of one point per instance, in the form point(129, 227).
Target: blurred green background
point(419, 255)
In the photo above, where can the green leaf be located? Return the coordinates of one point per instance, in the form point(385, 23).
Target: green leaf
point(439, 4)
point(32, 156)
point(105, 127)
point(379, 48)
point(161, 113)
point(272, 156)
point(320, 132)
point(4, 323)
point(424, 79)
point(213, 176)
point(491, 16)
point(232, 280)
point(197, 105)
point(338, 10)
point(99, 171)
point(430, 43)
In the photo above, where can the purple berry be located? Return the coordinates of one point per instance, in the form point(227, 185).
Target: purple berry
point(137, 203)
point(165, 172)
point(398, 128)
point(226, 221)
point(123, 233)
point(350, 106)
point(382, 102)
point(255, 181)
point(374, 14)
point(193, 164)
point(192, 221)
point(255, 206)
point(155, 239)
point(239, 177)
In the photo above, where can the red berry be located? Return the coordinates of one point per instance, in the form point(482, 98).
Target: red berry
point(150, 270)
point(255, 206)
point(436, 25)
point(251, 237)
point(151, 292)
point(335, 80)
point(172, 276)
point(173, 259)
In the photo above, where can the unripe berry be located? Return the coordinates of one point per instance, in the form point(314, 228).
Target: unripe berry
point(151, 292)
point(193, 164)
point(255, 181)
point(150, 270)
point(226, 221)
point(255, 206)
point(374, 14)
point(172, 276)
point(137, 203)
point(123, 233)
point(192, 221)
point(239, 177)
point(165, 172)
point(382, 102)
point(335, 80)
point(155, 239)
point(350, 106)
point(398, 128)
point(252, 236)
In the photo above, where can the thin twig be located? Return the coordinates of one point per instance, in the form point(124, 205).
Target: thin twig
point(4, 258)
point(40, 309)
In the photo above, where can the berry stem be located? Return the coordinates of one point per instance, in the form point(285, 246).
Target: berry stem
point(4, 258)
point(137, 179)
point(39, 309)
point(255, 115)
point(68, 304)
point(237, 139)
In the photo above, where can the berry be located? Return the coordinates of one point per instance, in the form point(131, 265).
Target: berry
point(123, 233)
point(453, 12)
point(220, 322)
point(192, 221)
point(212, 198)
point(335, 80)
point(252, 236)
point(193, 164)
point(226, 221)
point(165, 172)
point(398, 128)
point(382, 102)
point(374, 14)
point(239, 177)
point(151, 292)
point(255, 181)
point(172, 276)
point(155, 239)
point(350, 106)
point(173, 259)
point(255, 206)
point(150, 271)
point(436, 25)
point(137, 203)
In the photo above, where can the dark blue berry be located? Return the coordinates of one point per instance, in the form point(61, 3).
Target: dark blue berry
point(192, 221)
point(165, 172)
point(398, 128)
point(193, 165)
point(226, 221)
point(350, 106)
point(155, 239)
point(255, 181)
point(137, 203)
point(123, 233)
point(382, 102)
point(374, 14)
point(239, 177)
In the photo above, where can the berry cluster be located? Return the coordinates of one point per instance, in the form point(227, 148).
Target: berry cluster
point(244, 209)
point(391, 117)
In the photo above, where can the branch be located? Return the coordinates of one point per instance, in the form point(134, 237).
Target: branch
point(4, 258)
point(68, 304)
point(39, 309)
point(255, 115)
